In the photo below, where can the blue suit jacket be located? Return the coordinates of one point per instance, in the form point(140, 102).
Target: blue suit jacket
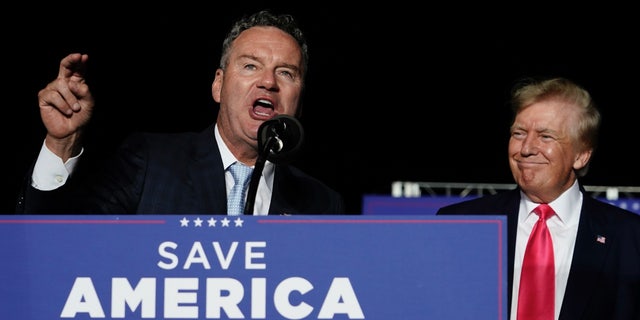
point(604, 280)
point(177, 173)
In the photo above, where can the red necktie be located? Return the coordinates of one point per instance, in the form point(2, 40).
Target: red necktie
point(537, 282)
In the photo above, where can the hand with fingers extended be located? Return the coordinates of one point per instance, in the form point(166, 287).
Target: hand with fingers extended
point(66, 105)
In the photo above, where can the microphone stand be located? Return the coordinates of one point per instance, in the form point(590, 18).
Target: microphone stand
point(256, 174)
point(272, 136)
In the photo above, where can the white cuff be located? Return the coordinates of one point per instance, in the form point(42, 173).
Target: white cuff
point(49, 172)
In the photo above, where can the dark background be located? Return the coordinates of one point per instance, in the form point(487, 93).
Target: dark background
point(393, 93)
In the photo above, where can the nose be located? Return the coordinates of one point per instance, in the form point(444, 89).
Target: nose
point(529, 145)
point(268, 81)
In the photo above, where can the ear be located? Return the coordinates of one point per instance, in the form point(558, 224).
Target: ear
point(582, 159)
point(216, 87)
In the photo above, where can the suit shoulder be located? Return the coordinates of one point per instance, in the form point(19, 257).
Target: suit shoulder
point(614, 212)
point(306, 188)
point(307, 181)
point(155, 139)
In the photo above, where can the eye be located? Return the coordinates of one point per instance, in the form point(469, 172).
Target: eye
point(287, 74)
point(250, 66)
point(547, 137)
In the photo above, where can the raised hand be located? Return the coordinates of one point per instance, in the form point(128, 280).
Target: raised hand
point(66, 105)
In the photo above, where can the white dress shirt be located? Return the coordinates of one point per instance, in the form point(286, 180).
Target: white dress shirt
point(265, 187)
point(563, 228)
point(49, 172)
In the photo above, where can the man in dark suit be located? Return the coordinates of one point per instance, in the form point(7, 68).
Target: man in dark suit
point(596, 245)
point(261, 76)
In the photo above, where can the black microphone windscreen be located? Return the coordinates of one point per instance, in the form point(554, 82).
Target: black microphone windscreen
point(283, 135)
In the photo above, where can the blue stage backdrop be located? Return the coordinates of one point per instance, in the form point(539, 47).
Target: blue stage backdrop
point(246, 267)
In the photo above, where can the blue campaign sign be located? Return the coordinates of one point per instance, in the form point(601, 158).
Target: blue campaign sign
point(249, 267)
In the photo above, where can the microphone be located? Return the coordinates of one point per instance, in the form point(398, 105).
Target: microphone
point(280, 138)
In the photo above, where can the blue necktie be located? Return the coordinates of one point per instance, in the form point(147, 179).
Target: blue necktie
point(241, 176)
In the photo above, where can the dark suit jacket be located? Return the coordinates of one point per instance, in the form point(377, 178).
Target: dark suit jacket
point(177, 173)
point(604, 280)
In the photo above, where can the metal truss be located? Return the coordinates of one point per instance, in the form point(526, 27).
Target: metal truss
point(463, 189)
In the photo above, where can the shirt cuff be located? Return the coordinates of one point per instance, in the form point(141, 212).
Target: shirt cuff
point(50, 172)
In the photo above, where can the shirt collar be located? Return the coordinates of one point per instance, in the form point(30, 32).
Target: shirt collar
point(228, 159)
point(567, 206)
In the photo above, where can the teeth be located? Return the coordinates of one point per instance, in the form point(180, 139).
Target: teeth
point(265, 102)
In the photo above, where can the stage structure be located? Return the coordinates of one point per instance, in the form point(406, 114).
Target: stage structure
point(412, 197)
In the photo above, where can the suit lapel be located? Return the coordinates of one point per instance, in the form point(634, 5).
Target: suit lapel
point(207, 175)
point(588, 260)
point(279, 204)
point(511, 206)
